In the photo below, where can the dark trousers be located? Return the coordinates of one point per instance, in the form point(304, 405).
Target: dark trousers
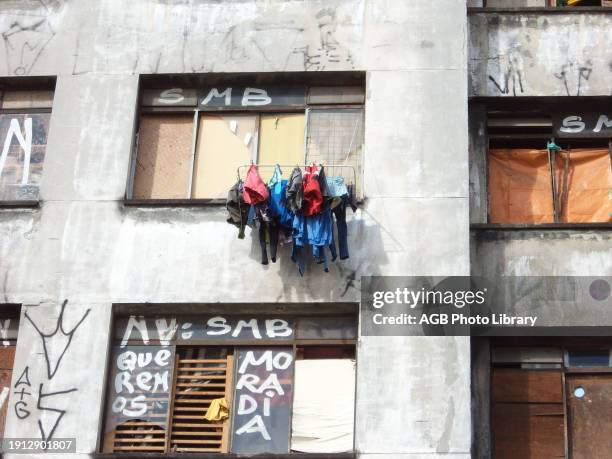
point(340, 214)
point(268, 229)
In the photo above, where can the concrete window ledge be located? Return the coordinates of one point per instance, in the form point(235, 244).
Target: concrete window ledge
point(18, 204)
point(543, 10)
point(173, 202)
point(543, 226)
point(223, 456)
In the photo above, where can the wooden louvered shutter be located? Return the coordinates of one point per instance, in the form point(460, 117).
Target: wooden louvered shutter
point(198, 382)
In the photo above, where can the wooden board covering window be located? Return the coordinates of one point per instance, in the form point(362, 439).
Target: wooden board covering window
point(281, 141)
point(590, 426)
point(528, 413)
point(163, 162)
point(225, 142)
point(197, 383)
point(7, 357)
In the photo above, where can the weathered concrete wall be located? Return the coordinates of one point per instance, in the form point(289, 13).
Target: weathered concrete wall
point(540, 54)
point(83, 245)
point(542, 253)
point(533, 252)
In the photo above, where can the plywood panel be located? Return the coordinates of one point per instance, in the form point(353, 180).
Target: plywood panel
point(527, 414)
point(528, 431)
point(515, 385)
point(5, 384)
point(590, 416)
point(7, 356)
point(225, 142)
point(163, 163)
point(281, 141)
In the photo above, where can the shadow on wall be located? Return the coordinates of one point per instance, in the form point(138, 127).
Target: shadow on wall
point(366, 254)
point(198, 249)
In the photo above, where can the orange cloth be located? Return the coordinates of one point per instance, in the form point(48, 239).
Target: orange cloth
point(520, 189)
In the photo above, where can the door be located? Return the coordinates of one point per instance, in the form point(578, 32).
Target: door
point(590, 416)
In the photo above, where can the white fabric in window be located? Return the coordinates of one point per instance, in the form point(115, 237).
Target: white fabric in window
point(323, 406)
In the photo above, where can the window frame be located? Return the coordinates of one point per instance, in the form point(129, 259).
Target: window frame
point(233, 346)
point(12, 313)
point(197, 112)
point(565, 346)
point(540, 107)
point(35, 110)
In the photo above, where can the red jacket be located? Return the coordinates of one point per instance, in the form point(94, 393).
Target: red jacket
point(313, 200)
point(255, 190)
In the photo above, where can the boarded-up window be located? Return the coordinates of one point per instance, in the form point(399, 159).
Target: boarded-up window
point(139, 399)
point(163, 163)
point(521, 191)
point(234, 394)
point(589, 403)
point(519, 186)
point(528, 413)
point(323, 406)
point(195, 143)
point(264, 385)
point(225, 142)
point(9, 325)
point(281, 141)
point(336, 138)
point(24, 140)
point(7, 357)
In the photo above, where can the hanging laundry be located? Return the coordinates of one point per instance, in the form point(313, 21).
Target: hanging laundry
point(295, 191)
point(255, 190)
point(301, 210)
point(323, 182)
point(237, 208)
point(341, 227)
point(218, 410)
point(313, 199)
point(320, 235)
point(278, 199)
point(315, 231)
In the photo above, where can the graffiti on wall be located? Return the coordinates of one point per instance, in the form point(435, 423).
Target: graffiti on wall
point(263, 397)
point(26, 33)
point(329, 52)
point(573, 74)
point(296, 40)
point(510, 79)
point(34, 396)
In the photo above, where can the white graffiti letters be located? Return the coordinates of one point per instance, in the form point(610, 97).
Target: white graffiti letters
point(255, 395)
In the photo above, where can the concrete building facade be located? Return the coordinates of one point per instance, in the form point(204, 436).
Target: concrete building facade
point(430, 72)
